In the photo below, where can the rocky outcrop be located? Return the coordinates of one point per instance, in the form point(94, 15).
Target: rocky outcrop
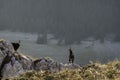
point(13, 63)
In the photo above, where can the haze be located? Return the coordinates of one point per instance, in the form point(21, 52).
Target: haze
point(69, 22)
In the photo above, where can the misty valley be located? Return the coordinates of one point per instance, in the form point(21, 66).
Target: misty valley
point(86, 51)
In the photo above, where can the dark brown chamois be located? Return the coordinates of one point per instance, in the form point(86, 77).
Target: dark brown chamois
point(71, 56)
point(16, 45)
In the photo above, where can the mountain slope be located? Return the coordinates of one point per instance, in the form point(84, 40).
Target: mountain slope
point(14, 63)
point(92, 71)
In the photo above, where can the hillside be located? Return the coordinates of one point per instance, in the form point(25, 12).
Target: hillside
point(92, 71)
point(16, 66)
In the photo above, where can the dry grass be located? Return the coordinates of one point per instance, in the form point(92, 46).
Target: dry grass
point(93, 71)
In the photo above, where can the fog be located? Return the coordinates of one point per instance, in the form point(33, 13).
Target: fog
point(88, 26)
point(86, 51)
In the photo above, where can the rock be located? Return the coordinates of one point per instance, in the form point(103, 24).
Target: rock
point(71, 66)
point(44, 64)
point(15, 64)
point(51, 65)
point(12, 71)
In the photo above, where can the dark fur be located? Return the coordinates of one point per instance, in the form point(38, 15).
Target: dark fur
point(71, 56)
point(16, 46)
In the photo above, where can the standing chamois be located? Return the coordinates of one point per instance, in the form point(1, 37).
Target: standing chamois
point(71, 56)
